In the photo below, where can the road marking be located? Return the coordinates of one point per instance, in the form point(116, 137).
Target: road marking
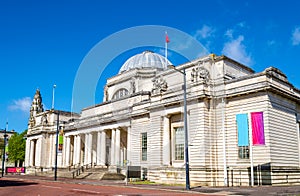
point(55, 187)
point(87, 191)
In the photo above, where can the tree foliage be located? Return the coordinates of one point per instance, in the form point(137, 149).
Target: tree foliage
point(16, 147)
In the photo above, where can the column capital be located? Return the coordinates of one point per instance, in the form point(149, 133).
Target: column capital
point(167, 115)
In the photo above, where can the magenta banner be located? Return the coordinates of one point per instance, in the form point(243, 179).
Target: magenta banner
point(15, 169)
point(257, 122)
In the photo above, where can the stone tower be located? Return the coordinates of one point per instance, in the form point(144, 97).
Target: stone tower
point(36, 107)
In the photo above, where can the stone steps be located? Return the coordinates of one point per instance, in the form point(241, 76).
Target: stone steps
point(90, 173)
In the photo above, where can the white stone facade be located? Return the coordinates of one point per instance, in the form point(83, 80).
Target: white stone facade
point(139, 123)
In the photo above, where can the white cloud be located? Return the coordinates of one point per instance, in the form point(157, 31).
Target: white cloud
point(229, 33)
point(236, 50)
point(22, 104)
point(205, 32)
point(236, 28)
point(271, 42)
point(296, 36)
point(242, 24)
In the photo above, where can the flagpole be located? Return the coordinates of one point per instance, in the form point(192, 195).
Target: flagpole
point(166, 50)
point(252, 172)
point(251, 152)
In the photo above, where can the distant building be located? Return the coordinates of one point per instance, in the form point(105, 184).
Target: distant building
point(8, 133)
point(140, 123)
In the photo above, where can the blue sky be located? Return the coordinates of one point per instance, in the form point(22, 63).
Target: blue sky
point(44, 42)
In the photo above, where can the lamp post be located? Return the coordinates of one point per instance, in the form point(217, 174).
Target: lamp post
point(3, 157)
point(57, 130)
point(186, 143)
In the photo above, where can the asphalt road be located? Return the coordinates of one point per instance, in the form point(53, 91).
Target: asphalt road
point(45, 186)
point(23, 187)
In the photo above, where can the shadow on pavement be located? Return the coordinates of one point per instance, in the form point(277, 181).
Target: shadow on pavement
point(6, 183)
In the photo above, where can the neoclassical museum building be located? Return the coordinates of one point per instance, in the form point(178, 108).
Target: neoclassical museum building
point(242, 126)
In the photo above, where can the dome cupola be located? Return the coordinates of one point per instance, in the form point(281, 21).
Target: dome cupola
point(146, 59)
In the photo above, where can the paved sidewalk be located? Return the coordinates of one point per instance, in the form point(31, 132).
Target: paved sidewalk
point(255, 191)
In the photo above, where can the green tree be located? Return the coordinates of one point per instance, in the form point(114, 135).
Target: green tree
point(16, 148)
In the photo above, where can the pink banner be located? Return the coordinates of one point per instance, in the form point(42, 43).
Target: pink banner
point(15, 169)
point(257, 122)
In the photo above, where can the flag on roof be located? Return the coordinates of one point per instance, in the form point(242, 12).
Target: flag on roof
point(167, 38)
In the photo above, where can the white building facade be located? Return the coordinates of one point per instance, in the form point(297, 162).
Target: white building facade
point(236, 119)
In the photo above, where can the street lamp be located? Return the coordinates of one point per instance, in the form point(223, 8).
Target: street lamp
point(57, 130)
point(186, 143)
point(3, 158)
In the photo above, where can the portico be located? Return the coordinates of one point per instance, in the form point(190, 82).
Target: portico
point(107, 147)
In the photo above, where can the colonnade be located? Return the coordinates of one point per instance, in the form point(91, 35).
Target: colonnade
point(99, 148)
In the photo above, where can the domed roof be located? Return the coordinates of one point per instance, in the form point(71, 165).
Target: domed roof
point(147, 59)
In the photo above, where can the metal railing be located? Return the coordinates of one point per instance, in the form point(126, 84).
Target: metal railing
point(80, 169)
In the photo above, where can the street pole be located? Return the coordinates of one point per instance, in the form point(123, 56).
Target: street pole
point(186, 140)
point(57, 131)
point(56, 146)
point(3, 157)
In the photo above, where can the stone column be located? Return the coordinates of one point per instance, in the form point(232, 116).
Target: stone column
point(78, 153)
point(53, 149)
point(67, 154)
point(38, 152)
point(113, 145)
point(86, 147)
point(98, 162)
point(31, 156)
point(27, 153)
point(75, 150)
point(90, 147)
point(128, 154)
point(117, 150)
point(50, 151)
point(103, 148)
point(94, 147)
point(166, 141)
point(43, 148)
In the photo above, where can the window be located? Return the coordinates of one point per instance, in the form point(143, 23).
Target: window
point(144, 146)
point(179, 143)
point(244, 152)
point(120, 93)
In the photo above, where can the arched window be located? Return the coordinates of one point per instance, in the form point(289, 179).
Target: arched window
point(120, 93)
